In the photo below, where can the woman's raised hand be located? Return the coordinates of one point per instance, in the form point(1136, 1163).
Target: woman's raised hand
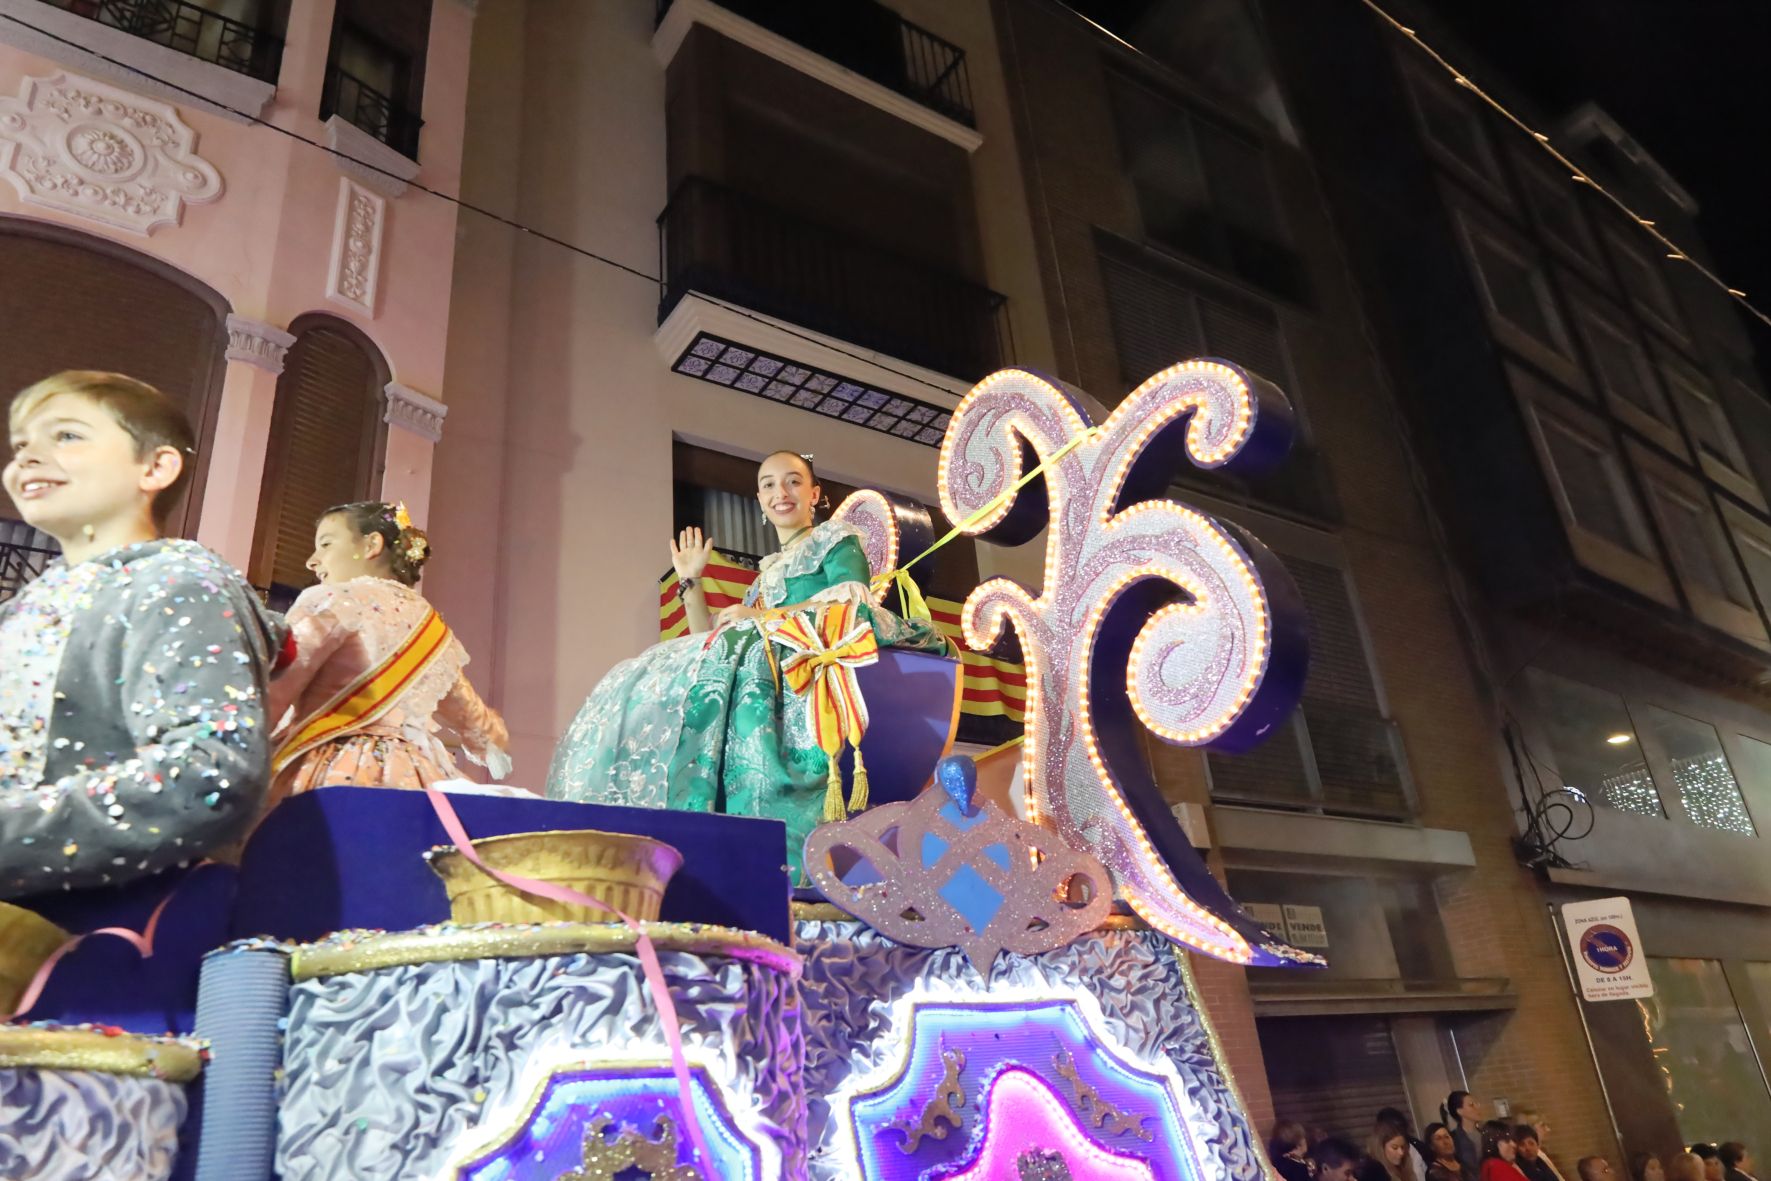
point(689, 552)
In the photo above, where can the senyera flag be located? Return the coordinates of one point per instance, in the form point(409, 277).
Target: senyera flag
point(992, 688)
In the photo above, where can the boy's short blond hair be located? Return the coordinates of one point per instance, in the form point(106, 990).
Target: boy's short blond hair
point(151, 418)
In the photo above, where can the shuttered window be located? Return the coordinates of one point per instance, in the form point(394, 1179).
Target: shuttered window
point(1332, 1072)
point(1338, 753)
point(1159, 319)
point(326, 445)
point(69, 305)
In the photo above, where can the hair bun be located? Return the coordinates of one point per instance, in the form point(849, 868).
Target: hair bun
point(414, 548)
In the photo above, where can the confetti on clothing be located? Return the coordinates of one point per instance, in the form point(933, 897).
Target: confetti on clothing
point(133, 734)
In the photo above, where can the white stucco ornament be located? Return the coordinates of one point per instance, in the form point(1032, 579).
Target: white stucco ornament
point(100, 152)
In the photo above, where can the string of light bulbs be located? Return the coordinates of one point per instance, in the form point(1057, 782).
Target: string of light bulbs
point(1576, 174)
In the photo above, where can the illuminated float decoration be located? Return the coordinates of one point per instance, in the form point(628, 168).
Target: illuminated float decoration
point(1024, 1033)
point(1150, 612)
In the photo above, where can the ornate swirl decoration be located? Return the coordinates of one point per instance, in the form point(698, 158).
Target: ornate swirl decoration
point(1149, 610)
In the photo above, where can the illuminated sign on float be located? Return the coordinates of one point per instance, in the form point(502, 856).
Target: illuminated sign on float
point(1150, 612)
point(930, 1109)
point(631, 1109)
point(1027, 1131)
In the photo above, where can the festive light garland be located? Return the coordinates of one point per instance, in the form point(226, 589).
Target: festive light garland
point(1577, 174)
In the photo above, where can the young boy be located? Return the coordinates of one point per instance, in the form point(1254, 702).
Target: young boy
point(133, 672)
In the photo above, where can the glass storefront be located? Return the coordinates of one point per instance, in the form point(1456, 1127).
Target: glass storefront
point(1702, 1051)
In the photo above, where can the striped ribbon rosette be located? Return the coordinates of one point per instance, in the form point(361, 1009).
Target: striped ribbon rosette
point(825, 648)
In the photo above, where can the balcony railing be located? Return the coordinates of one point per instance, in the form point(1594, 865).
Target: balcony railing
point(20, 562)
point(874, 42)
point(731, 246)
point(363, 106)
point(1335, 761)
point(191, 29)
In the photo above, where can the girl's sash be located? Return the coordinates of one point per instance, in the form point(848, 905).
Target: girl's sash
point(371, 695)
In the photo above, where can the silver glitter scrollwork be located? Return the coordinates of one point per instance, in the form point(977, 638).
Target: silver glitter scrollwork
point(1150, 612)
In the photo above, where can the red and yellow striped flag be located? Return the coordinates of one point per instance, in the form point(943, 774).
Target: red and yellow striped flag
point(992, 688)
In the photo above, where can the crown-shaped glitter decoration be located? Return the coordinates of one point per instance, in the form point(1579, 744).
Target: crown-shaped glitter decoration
point(606, 1159)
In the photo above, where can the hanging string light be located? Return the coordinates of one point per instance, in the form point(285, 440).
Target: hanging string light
point(1575, 173)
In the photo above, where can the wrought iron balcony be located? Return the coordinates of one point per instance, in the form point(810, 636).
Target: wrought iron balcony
point(190, 29)
point(1330, 760)
point(874, 42)
point(20, 561)
point(363, 106)
point(731, 246)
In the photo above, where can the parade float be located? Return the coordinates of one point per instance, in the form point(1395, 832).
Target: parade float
point(986, 977)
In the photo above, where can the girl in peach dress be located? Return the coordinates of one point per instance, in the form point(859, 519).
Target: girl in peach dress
point(376, 682)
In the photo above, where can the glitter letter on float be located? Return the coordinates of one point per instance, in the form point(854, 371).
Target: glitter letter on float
point(1150, 611)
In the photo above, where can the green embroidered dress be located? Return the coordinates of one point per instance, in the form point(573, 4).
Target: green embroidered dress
point(702, 726)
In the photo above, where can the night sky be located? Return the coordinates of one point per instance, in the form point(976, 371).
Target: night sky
point(1689, 79)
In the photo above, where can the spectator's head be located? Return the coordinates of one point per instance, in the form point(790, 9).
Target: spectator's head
point(1440, 1145)
point(1712, 1161)
point(1288, 1139)
point(1532, 1118)
point(1335, 1160)
point(1646, 1166)
point(1497, 1143)
point(1388, 1147)
point(1594, 1168)
point(1389, 1115)
point(1734, 1155)
point(1525, 1136)
point(1687, 1166)
point(1461, 1110)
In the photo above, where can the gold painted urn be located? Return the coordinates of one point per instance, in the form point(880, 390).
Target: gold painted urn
point(620, 870)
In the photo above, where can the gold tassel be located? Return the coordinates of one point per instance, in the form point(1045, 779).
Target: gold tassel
point(858, 793)
point(833, 809)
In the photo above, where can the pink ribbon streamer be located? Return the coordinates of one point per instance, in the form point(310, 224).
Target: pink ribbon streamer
point(648, 955)
point(142, 941)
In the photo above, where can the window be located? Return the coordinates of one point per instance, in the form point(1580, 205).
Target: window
point(1700, 771)
point(1559, 218)
point(1594, 744)
point(326, 449)
point(1698, 554)
point(1342, 754)
point(1626, 376)
point(1715, 586)
point(1700, 551)
point(1646, 283)
point(1717, 448)
point(1162, 315)
point(1453, 126)
point(1702, 1051)
point(1753, 537)
point(1590, 483)
point(1158, 320)
point(1584, 470)
point(1332, 1072)
point(1517, 295)
point(1203, 188)
point(375, 70)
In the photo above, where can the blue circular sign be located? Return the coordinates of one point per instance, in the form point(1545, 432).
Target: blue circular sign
point(1606, 948)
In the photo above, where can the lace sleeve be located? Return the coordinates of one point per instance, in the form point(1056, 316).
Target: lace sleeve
point(483, 732)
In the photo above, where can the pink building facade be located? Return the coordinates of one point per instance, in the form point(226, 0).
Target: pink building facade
point(163, 216)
